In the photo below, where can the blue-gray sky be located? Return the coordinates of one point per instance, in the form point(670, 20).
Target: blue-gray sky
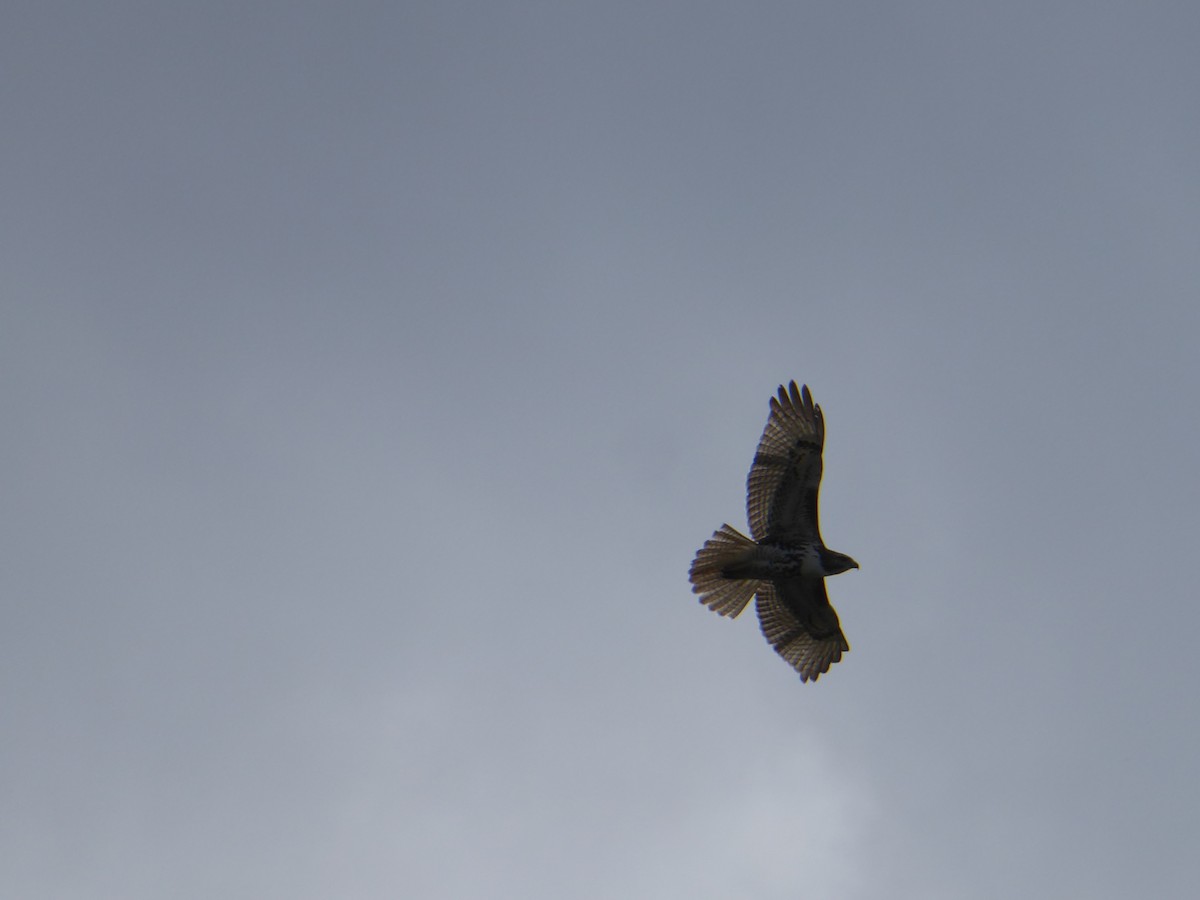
point(370, 373)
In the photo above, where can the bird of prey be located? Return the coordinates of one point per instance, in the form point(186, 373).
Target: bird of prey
point(784, 561)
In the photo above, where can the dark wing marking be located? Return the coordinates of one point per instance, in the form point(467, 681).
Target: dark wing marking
point(797, 620)
point(781, 490)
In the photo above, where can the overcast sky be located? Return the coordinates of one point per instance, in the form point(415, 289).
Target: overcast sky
point(370, 372)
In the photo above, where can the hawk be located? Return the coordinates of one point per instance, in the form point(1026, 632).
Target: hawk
point(784, 561)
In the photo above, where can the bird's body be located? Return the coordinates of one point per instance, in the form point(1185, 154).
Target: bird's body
point(777, 560)
point(784, 564)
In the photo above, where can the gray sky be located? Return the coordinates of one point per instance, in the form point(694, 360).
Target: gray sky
point(372, 371)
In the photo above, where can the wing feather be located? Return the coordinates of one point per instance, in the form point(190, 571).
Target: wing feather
point(797, 620)
point(785, 478)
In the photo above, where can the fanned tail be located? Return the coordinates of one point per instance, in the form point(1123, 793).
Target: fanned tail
point(727, 548)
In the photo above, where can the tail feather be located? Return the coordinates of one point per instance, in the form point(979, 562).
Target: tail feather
point(727, 547)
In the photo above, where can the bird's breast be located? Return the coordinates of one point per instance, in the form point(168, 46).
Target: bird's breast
point(792, 561)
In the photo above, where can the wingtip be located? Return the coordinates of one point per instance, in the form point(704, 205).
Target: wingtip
point(798, 397)
point(791, 392)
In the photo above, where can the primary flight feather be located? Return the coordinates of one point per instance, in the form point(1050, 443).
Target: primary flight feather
point(784, 562)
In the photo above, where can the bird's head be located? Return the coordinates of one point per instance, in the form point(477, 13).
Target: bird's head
point(835, 563)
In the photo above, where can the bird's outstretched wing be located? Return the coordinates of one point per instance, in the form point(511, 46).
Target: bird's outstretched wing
point(781, 490)
point(797, 620)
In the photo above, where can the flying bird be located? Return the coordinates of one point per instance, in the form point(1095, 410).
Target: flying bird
point(784, 561)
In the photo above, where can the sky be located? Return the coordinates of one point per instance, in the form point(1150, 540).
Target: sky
point(370, 373)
